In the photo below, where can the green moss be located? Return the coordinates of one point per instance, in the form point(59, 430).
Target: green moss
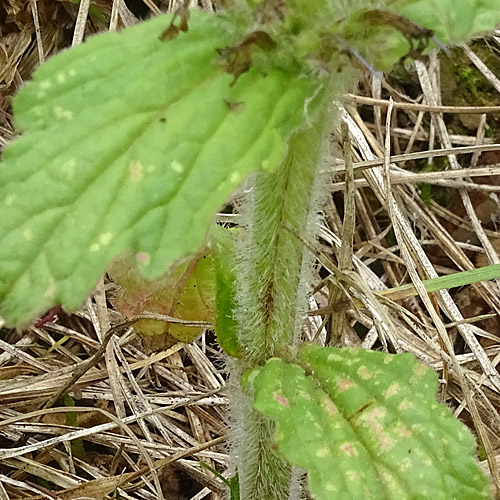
point(428, 192)
point(462, 84)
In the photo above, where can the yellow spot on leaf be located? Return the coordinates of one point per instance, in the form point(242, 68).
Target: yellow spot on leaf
point(404, 405)
point(344, 385)
point(403, 431)
point(10, 199)
point(373, 420)
point(392, 390)
point(405, 464)
point(235, 178)
point(45, 85)
point(349, 449)
point(364, 373)
point(50, 291)
point(374, 415)
point(417, 428)
point(323, 452)
point(61, 77)
point(352, 475)
point(62, 114)
point(177, 167)
point(385, 477)
point(419, 370)
point(136, 174)
point(329, 406)
point(334, 357)
point(28, 234)
point(385, 441)
point(304, 395)
point(68, 169)
point(105, 238)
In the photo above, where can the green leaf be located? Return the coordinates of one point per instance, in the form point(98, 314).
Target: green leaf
point(130, 145)
point(383, 36)
point(185, 291)
point(94, 11)
point(232, 483)
point(452, 21)
point(447, 281)
point(77, 447)
point(380, 44)
point(366, 425)
point(225, 265)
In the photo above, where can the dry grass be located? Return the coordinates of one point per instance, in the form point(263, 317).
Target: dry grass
point(142, 423)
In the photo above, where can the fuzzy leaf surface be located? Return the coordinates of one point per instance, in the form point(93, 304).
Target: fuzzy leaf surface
point(366, 425)
point(130, 144)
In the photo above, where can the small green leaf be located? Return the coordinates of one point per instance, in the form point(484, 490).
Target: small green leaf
point(72, 419)
point(130, 145)
point(94, 11)
point(409, 27)
point(452, 21)
point(377, 42)
point(232, 483)
point(225, 265)
point(185, 291)
point(366, 425)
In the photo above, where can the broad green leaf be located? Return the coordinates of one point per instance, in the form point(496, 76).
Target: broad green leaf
point(366, 425)
point(130, 144)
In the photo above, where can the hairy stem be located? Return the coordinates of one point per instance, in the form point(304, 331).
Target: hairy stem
point(272, 275)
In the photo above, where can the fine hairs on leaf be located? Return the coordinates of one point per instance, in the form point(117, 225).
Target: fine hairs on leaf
point(128, 146)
